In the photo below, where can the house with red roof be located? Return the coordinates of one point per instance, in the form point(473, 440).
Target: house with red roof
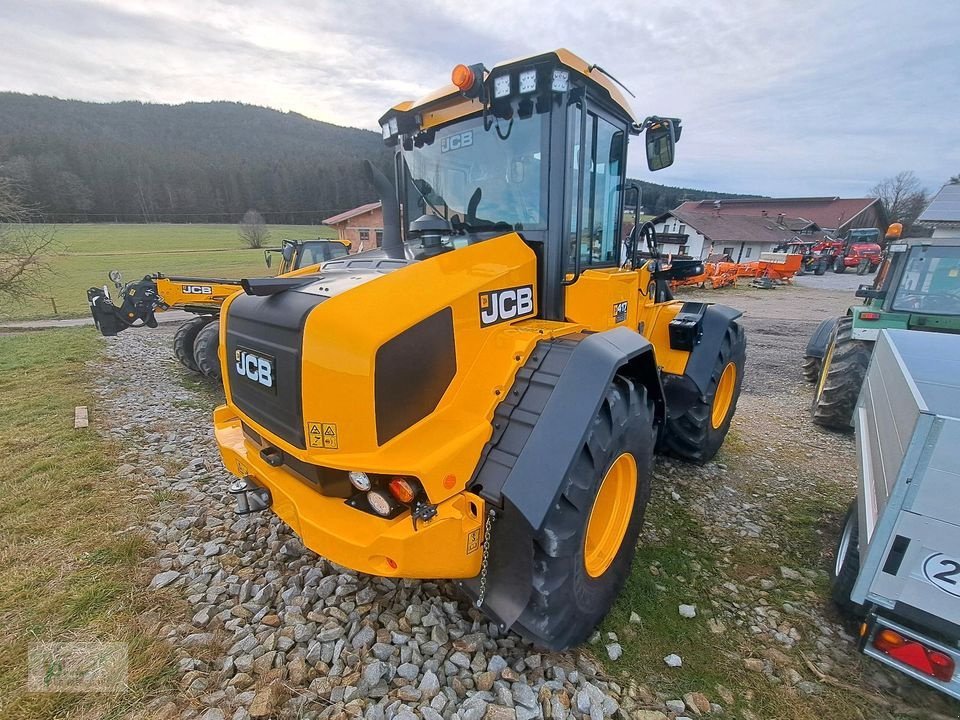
point(743, 228)
point(362, 226)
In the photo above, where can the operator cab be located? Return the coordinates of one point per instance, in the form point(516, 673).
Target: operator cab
point(537, 147)
point(296, 254)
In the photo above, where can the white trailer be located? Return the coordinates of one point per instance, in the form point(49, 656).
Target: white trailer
point(898, 559)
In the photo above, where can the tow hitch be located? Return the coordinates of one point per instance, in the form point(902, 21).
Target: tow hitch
point(250, 497)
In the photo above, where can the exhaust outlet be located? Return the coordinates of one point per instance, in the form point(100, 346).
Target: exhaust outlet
point(249, 496)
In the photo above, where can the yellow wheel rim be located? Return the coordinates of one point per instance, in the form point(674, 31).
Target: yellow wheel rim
point(824, 368)
point(723, 397)
point(610, 515)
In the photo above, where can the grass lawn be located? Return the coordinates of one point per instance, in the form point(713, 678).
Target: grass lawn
point(71, 566)
point(88, 251)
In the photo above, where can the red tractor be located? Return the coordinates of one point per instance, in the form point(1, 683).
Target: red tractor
point(861, 250)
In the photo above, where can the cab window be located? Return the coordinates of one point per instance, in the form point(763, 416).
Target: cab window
point(601, 190)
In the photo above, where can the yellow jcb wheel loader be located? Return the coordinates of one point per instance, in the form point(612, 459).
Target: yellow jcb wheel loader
point(197, 340)
point(482, 397)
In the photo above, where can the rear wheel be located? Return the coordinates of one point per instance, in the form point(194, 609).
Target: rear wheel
point(844, 367)
point(206, 351)
point(184, 340)
point(582, 555)
point(846, 564)
point(838, 266)
point(697, 434)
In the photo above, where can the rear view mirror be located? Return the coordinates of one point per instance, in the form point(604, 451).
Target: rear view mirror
point(660, 145)
point(287, 252)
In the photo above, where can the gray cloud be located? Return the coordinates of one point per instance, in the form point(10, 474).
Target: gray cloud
point(777, 97)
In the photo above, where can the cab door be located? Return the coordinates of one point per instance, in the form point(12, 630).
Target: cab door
point(598, 293)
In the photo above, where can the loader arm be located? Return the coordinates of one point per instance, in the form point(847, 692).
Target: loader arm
point(142, 299)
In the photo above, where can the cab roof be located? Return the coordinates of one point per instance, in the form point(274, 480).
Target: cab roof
point(447, 103)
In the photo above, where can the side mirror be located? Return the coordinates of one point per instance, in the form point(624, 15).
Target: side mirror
point(268, 257)
point(661, 140)
point(287, 252)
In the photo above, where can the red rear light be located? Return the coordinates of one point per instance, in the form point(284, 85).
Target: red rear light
point(401, 490)
point(869, 316)
point(942, 665)
point(910, 652)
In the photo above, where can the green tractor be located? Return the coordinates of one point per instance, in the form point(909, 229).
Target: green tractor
point(916, 288)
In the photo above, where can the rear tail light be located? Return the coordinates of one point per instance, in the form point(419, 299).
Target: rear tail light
point(380, 503)
point(869, 316)
point(943, 666)
point(910, 652)
point(401, 490)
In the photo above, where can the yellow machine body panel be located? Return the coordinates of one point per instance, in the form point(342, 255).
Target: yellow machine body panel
point(602, 299)
point(490, 288)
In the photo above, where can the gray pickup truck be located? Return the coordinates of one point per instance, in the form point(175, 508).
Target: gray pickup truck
point(898, 559)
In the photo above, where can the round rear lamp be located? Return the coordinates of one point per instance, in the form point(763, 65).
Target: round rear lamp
point(380, 503)
point(360, 480)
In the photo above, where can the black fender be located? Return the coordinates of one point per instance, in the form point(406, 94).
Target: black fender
point(682, 391)
point(818, 342)
point(538, 432)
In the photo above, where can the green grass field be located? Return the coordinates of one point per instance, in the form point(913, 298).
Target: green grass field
point(87, 252)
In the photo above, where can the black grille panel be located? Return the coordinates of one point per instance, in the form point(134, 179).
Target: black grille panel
point(413, 371)
point(271, 326)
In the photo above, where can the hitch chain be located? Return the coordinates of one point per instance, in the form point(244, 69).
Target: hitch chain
point(488, 527)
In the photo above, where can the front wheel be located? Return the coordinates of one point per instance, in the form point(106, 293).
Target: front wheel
point(184, 340)
point(811, 368)
point(838, 267)
point(697, 434)
point(820, 268)
point(846, 564)
point(583, 553)
point(844, 368)
point(206, 350)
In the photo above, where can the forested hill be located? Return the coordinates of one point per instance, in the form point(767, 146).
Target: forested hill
point(197, 162)
point(658, 199)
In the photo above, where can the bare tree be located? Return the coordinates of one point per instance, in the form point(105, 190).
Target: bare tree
point(902, 197)
point(25, 245)
point(253, 231)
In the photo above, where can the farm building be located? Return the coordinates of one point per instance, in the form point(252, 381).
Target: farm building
point(362, 226)
point(741, 237)
point(942, 215)
point(833, 215)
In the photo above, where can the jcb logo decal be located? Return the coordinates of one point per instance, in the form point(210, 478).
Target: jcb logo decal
point(456, 142)
point(497, 306)
point(198, 290)
point(255, 367)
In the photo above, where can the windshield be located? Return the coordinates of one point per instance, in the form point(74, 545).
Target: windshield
point(931, 281)
point(481, 179)
point(313, 253)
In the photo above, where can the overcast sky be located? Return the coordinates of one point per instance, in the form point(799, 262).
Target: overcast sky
point(779, 97)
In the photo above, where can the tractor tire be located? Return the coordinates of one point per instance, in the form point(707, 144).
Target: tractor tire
point(206, 351)
point(583, 553)
point(697, 434)
point(811, 368)
point(838, 267)
point(873, 268)
point(844, 367)
point(184, 340)
point(820, 268)
point(846, 564)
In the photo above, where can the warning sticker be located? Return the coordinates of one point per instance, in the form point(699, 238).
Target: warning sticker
point(473, 541)
point(323, 435)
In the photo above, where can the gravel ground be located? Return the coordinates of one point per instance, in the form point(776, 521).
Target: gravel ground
point(268, 629)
